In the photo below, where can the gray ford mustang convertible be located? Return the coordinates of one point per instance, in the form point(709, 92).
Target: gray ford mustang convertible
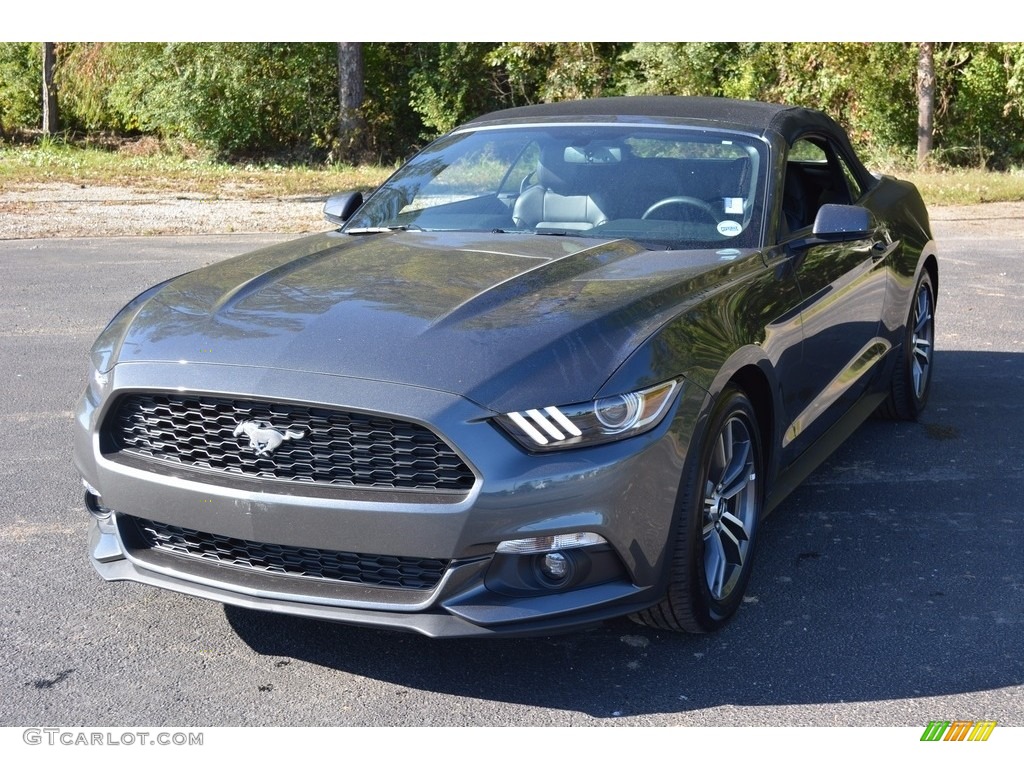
point(556, 369)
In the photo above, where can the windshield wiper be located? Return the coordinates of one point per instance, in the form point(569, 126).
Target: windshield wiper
point(378, 230)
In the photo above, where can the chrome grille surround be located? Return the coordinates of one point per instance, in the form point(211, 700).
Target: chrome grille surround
point(338, 448)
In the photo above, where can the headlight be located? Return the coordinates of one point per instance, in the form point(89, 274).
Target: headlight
point(553, 428)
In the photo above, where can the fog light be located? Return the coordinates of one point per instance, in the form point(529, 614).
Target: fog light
point(555, 566)
point(92, 503)
point(556, 569)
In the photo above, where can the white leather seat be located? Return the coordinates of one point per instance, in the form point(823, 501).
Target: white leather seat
point(560, 199)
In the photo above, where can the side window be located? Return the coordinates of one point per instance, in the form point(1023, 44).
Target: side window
point(805, 151)
point(815, 175)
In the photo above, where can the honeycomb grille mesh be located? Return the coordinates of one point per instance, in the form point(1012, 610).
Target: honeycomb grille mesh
point(325, 565)
point(319, 445)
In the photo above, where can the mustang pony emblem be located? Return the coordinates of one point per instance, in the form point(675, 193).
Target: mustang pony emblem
point(264, 439)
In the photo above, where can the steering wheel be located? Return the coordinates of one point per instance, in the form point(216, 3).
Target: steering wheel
point(692, 202)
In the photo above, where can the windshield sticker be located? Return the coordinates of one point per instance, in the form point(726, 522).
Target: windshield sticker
point(733, 204)
point(729, 228)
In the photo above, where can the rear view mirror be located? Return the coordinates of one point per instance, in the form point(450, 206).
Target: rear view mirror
point(594, 153)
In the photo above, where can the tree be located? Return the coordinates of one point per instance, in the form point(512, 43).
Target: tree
point(20, 74)
point(49, 91)
point(925, 101)
point(351, 124)
point(451, 83)
point(531, 72)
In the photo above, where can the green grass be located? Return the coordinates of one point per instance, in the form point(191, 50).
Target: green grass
point(157, 172)
point(149, 169)
point(968, 187)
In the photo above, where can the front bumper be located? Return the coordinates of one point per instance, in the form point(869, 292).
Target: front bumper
point(625, 492)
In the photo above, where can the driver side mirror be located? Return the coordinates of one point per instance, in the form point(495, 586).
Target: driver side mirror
point(834, 224)
point(339, 208)
point(842, 222)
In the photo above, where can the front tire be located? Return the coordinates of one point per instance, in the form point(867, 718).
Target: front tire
point(722, 504)
point(912, 377)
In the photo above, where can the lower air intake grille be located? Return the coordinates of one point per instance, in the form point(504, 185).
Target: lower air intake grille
point(325, 565)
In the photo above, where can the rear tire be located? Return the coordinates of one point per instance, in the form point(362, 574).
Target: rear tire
point(912, 376)
point(722, 502)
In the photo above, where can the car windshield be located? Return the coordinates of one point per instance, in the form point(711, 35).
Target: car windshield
point(664, 186)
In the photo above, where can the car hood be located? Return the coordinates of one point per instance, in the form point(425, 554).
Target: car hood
point(509, 321)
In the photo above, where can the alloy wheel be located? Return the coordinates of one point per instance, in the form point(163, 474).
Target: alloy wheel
point(730, 507)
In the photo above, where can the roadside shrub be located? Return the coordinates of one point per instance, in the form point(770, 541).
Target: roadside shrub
point(976, 131)
point(21, 76)
point(233, 98)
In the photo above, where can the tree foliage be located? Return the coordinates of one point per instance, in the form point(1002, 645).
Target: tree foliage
point(21, 72)
point(281, 99)
point(449, 85)
point(974, 127)
point(230, 97)
point(687, 69)
point(869, 87)
point(545, 72)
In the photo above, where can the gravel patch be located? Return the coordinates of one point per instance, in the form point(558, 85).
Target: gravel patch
point(70, 210)
point(984, 220)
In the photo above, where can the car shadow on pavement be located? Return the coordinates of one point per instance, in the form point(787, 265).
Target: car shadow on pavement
point(891, 573)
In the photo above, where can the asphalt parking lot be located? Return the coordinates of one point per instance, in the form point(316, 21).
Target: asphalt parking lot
point(888, 589)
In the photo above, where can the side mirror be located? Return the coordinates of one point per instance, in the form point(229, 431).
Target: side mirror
point(339, 208)
point(842, 222)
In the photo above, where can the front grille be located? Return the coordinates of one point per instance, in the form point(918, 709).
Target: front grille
point(324, 565)
point(320, 445)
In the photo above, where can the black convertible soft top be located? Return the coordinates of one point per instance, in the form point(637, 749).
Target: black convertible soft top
point(788, 121)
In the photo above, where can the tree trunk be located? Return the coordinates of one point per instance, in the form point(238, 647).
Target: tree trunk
point(925, 101)
point(351, 127)
point(49, 92)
